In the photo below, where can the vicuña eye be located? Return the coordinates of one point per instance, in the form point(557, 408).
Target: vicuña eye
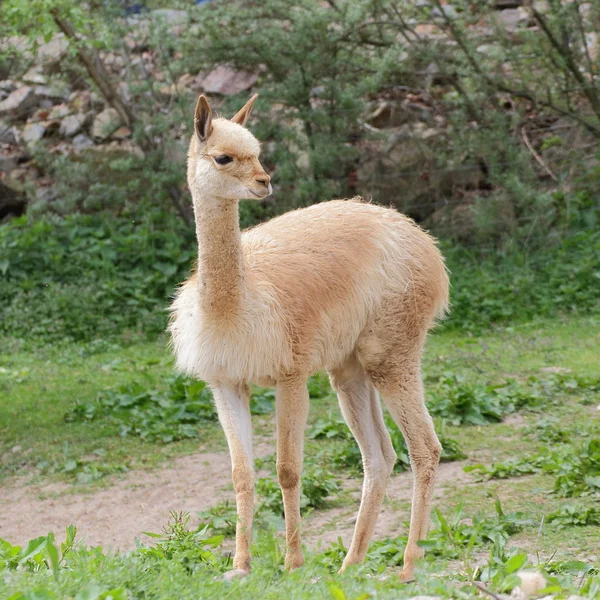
point(223, 159)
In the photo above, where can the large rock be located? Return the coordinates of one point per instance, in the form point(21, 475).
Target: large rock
point(106, 123)
point(19, 103)
point(7, 163)
point(81, 142)
point(72, 124)
point(227, 81)
point(50, 54)
point(33, 132)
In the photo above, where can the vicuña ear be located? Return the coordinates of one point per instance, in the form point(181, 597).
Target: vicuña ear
point(203, 119)
point(242, 115)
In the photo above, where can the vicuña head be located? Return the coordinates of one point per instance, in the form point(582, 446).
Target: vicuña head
point(223, 156)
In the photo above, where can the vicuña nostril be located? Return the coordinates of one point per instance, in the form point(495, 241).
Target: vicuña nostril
point(264, 180)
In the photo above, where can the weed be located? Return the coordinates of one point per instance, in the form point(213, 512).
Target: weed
point(578, 471)
point(575, 516)
point(40, 553)
point(452, 537)
point(220, 518)
point(178, 542)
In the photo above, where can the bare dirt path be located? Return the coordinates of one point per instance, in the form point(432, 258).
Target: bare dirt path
point(113, 517)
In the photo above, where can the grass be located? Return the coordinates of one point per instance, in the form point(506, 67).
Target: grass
point(39, 387)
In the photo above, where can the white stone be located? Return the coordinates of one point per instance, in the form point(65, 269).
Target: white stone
point(105, 123)
point(227, 81)
point(71, 125)
point(33, 132)
point(19, 103)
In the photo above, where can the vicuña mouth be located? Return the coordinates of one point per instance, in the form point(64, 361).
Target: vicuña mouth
point(255, 194)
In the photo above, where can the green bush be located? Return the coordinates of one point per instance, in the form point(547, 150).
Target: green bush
point(86, 277)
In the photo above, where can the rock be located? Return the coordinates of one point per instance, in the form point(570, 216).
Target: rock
point(170, 16)
point(60, 111)
point(35, 76)
point(51, 92)
point(7, 163)
point(12, 201)
point(33, 132)
point(81, 142)
point(227, 81)
point(511, 18)
point(51, 53)
point(531, 583)
point(71, 125)
point(80, 101)
point(105, 123)
point(19, 103)
point(7, 134)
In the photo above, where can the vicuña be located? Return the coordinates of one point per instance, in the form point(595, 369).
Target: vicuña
point(345, 286)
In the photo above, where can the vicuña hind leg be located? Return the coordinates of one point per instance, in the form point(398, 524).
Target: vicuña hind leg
point(361, 409)
point(404, 398)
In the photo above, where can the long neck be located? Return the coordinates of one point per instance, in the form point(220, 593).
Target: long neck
point(221, 277)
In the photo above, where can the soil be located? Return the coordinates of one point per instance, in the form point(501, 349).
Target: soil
point(113, 517)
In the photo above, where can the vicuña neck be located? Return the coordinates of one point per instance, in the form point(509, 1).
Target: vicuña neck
point(221, 277)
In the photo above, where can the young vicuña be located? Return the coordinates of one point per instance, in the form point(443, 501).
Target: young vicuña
point(346, 286)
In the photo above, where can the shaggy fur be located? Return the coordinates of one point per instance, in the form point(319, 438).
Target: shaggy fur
point(346, 286)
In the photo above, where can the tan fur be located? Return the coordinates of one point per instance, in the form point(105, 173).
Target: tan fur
point(346, 286)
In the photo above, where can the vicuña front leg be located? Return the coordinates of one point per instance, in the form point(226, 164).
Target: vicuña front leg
point(233, 407)
point(292, 411)
point(362, 411)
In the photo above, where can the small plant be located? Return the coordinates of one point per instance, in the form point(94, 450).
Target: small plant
point(180, 543)
point(575, 516)
point(453, 537)
point(462, 403)
point(40, 554)
point(221, 518)
point(578, 472)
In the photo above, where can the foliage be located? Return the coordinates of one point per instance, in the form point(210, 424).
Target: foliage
point(577, 469)
point(571, 515)
point(220, 518)
point(347, 455)
point(578, 473)
point(153, 415)
point(318, 485)
point(453, 537)
point(502, 287)
point(191, 548)
point(40, 553)
point(85, 277)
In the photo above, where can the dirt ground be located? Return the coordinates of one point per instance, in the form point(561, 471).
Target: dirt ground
point(114, 516)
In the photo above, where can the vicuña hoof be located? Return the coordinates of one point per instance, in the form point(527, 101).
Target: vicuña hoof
point(235, 574)
point(407, 576)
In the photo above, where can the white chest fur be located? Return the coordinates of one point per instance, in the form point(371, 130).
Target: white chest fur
point(252, 348)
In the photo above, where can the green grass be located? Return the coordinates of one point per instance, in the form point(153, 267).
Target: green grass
point(39, 387)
